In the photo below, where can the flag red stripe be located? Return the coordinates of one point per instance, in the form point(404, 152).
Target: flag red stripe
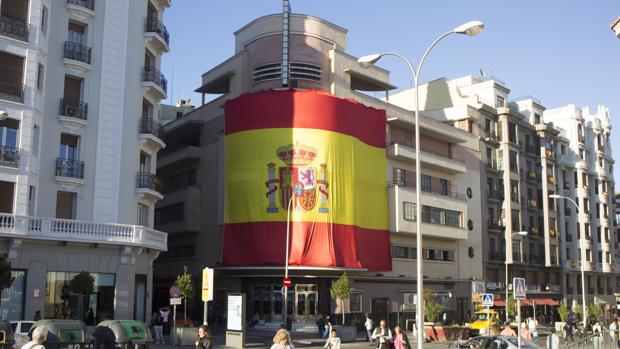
point(305, 109)
point(311, 244)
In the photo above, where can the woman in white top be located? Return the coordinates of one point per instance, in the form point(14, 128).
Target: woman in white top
point(38, 337)
point(282, 340)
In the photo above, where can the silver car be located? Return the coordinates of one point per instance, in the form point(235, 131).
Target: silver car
point(496, 342)
point(20, 329)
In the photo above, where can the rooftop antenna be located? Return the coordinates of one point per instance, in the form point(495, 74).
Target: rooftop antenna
point(286, 14)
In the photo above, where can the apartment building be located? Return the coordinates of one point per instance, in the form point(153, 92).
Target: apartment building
point(79, 96)
point(192, 170)
point(528, 155)
point(168, 112)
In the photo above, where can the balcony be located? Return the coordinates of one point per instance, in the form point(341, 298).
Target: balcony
point(73, 114)
point(148, 187)
point(532, 175)
point(52, 229)
point(156, 34)
point(496, 224)
point(490, 136)
point(14, 28)
point(82, 10)
point(9, 156)
point(154, 84)
point(435, 161)
point(69, 173)
point(493, 165)
point(77, 57)
point(497, 256)
point(12, 91)
point(495, 195)
point(150, 135)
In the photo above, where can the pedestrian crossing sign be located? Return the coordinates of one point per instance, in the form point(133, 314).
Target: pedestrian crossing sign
point(519, 288)
point(487, 300)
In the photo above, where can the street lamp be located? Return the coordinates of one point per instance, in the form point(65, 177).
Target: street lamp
point(521, 233)
point(3, 115)
point(471, 29)
point(582, 262)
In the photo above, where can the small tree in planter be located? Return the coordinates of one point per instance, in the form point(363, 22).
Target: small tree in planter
point(184, 283)
point(432, 309)
point(578, 312)
point(511, 306)
point(6, 277)
point(594, 311)
point(82, 284)
point(341, 290)
point(563, 312)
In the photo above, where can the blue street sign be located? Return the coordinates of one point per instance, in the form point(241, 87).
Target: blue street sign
point(519, 288)
point(487, 300)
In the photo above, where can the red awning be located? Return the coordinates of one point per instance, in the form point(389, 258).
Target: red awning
point(499, 303)
point(546, 301)
point(526, 302)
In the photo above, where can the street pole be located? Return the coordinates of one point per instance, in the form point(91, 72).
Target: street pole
point(204, 315)
point(506, 287)
point(174, 324)
point(582, 260)
point(519, 323)
point(285, 295)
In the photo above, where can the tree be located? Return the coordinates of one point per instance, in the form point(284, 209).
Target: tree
point(578, 312)
point(82, 284)
point(185, 284)
point(563, 312)
point(511, 306)
point(6, 277)
point(594, 311)
point(341, 290)
point(432, 309)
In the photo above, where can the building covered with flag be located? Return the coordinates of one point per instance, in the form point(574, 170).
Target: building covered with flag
point(287, 131)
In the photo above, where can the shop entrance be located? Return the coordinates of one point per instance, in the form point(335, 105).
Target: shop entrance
point(306, 303)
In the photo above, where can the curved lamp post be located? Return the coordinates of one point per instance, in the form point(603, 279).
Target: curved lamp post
point(471, 29)
point(581, 259)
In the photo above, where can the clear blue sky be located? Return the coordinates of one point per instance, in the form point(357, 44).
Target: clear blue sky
point(561, 52)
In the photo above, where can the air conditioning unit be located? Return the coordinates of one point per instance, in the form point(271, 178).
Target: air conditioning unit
point(70, 110)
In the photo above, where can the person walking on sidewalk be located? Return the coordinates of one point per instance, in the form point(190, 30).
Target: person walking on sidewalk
point(333, 342)
point(614, 330)
point(597, 332)
point(158, 325)
point(327, 328)
point(401, 341)
point(525, 333)
point(282, 340)
point(553, 341)
point(204, 339)
point(382, 336)
point(368, 325)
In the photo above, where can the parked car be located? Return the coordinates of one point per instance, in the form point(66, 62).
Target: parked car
point(495, 342)
point(481, 320)
point(20, 329)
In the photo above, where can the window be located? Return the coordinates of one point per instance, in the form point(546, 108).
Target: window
point(35, 140)
point(355, 303)
point(12, 305)
point(400, 176)
point(65, 205)
point(588, 255)
point(410, 299)
point(536, 118)
point(512, 132)
point(426, 183)
point(563, 149)
point(400, 252)
point(516, 249)
point(443, 186)
point(169, 214)
point(499, 101)
point(409, 211)
point(44, 15)
point(143, 215)
point(40, 75)
point(191, 177)
point(31, 199)
point(436, 215)
point(68, 147)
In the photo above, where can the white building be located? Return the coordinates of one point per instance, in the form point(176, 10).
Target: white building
point(79, 96)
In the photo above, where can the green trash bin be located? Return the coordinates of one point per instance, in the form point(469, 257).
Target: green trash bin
point(63, 334)
point(7, 340)
point(122, 334)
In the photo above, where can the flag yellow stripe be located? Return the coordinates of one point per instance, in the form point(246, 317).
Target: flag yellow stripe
point(355, 173)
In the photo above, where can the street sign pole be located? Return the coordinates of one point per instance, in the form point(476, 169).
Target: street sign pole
point(488, 321)
point(518, 322)
point(174, 324)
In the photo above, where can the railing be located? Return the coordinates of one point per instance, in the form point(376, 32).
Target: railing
point(69, 168)
point(14, 28)
point(73, 108)
point(151, 74)
point(146, 180)
point(12, 91)
point(493, 164)
point(77, 52)
point(490, 135)
point(495, 225)
point(449, 192)
point(412, 147)
point(497, 255)
point(9, 156)
point(495, 194)
point(154, 25)
point(81, 231)
point(536, 259)
point(89, 4)
point(150, 126)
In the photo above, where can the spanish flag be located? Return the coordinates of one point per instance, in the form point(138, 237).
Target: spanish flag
point(315, 157)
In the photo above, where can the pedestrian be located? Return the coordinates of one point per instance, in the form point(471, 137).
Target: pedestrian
point(531, 326)
point(159, 329)
point(39, 335)
point(597, 334)
point(382, 335)
point(204, 340)
point(553, 341)
point(568, 332)
point(368, 325)
point(164, 312)
point(525, 333)
point(320, 324)
point(400, 340)
point(282, 340)
point(614, 331)
point(327, 328)
point(333, 342)
point(508, 331)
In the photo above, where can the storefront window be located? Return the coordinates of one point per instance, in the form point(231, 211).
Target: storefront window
point(61, 303)
point(12, 300)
